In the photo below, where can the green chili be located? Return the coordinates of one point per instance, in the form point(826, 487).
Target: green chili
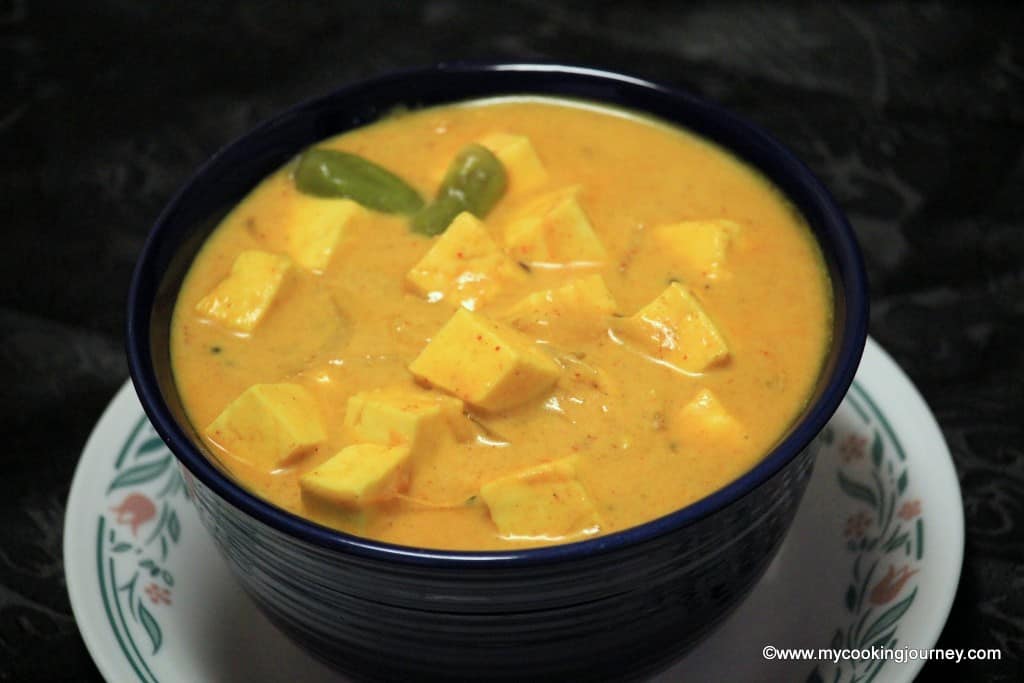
point(333, 173)
point(434, 218)
point(475, 181)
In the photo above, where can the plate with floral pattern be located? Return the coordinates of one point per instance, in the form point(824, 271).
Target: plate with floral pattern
point(872, 559)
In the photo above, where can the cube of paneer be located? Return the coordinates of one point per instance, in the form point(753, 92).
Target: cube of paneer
point(359, 475)
point(554, 229)
point(487, 364)
point(522, 165)
point(704, 420)
point(241, 300)
point(464, 263)
point(405, 415)
point(269, 425)
point(317, 226)
point(675, 329)
point(543, 502)
point(581, 307)
point(699, 245)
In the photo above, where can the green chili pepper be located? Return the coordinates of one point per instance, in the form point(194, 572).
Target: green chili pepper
point(332, 173)
point(434, 218)
point(475, 182)
point(477, 177)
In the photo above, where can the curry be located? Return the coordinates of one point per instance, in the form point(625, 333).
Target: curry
point(501, 323)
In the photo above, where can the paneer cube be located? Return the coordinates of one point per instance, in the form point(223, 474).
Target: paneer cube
point(487, 364)
point(316, 227)
point(464, 263)
point(704, 420)
point(522, 165)
point(544, 502)
point(699, 245)
point(582, 306)
point(675, 329)
point(554, 229)
point(360, 475)
point(242, 299)
point(269, 425)
point(405, 415)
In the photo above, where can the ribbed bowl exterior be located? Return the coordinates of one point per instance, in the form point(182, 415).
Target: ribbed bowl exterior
point(612, 616)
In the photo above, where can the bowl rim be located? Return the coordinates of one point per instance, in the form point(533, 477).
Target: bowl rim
point(851, 278)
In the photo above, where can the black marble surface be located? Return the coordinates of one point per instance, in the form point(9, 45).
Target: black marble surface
point(912, 113)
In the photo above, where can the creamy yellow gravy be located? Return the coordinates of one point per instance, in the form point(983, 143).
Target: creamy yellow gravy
point(356, 326)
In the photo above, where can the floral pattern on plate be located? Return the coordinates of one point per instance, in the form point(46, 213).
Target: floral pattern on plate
point(135, 537)
point(884, 536)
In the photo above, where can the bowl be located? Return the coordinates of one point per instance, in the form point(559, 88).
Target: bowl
point(617, 606)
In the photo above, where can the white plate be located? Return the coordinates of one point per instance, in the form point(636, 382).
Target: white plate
point(873, 557)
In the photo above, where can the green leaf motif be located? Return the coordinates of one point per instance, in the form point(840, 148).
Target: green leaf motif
point(150, 445)
point(897, 541)
point(883, 640)
point(173, 526)
point(174, 482)
point(121, 547)
point(888, 618)
point(140, 474)
point(152, 628)
point(857, 490)
point(901, 483)
point(877, 448)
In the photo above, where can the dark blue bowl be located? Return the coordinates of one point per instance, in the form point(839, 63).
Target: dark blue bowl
point(618, 606)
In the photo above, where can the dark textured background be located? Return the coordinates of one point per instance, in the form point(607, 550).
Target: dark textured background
point(912, 113)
